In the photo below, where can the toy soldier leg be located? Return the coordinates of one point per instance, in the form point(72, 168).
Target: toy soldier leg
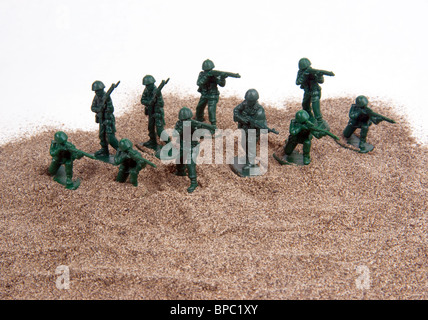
point(200, 108)
point(112, 140)
point(151, 143)
point(133, 175)
point(160, 128)
point(349, 130)
point(180, 167)
point(306, 103)
point(54, 167)
point(363, 136)
point(290, 145)
point(69, 172)
point(251, 149)
point(306, 152)
point(122, 174)
point(212, 107)
point(191, 170)
point(103, 142)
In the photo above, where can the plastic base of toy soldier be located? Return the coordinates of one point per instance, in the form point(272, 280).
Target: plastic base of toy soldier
point(61, 178)
point(295, 158)
point(243, 169)
point(362, 146)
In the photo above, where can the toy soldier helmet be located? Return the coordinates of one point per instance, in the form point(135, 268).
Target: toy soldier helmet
point(98, 85)
point(302, 116)
point(60, 137)
point(304, 63)
point(207, 65)
point(185, 114)
point(148, 80)
point(361, 101)
point(252, 95)
point(125, 144)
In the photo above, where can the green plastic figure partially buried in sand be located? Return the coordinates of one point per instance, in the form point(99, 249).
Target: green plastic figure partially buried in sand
point(249, 115)
point(309, 80)
point(302, 130)
point(102, 106)
point(189, 148)
point(130, 162)
point(63, 155)
point(208, 82)
point(361, 117)
point(153, 103)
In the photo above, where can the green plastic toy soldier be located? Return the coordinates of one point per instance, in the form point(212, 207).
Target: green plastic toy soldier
point(64, 153)
point(250, 115)
point(130, 162)
point(189, 149)
point(208, 82)
point(361, 117)
point(102, 106)
point(302, 130)
point(153, 102)
point(309, 80)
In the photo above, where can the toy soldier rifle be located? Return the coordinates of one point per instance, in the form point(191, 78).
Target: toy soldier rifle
point(70, 148)
point(319, 72)
point(376, 117)
point(106, 97)
point(203, 125)
point(224, 74)
point(139, 158)
point(75, 150)
point(157, 92)
point(314, 128)
point(255, 123)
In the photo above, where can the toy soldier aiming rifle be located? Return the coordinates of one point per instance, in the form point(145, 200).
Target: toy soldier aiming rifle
point(208, 82)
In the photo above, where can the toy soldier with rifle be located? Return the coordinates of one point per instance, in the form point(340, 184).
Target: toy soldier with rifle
point(102, 106)
point(64, 153)
point(153, 103)
point(208, 82)
point(130, 162)
point(250, 115)
point(302, 129)
point(309, 79)
point(189, 148)
point(361, 117)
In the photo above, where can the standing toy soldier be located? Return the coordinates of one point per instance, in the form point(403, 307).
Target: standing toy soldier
point(64, 153)
point(309, 80)
point(189, 149)
point(130, 162)
point(361, 116)
point(301, 131)
point(102, 105)
point(208, 81)
point(153, 107)
point(250, 115)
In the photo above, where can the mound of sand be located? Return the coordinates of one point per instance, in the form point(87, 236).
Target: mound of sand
point(348, 226)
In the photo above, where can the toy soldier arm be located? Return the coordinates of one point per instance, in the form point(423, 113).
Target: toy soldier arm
point(145, 100)
point(54, 150)
point(119, 157)
point(295, 127)
point(94, 107)
point(202, 79)
point(202, 125)
point(354, 112)
point(377, 118)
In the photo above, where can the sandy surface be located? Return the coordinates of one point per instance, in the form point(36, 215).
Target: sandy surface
point(293, 233)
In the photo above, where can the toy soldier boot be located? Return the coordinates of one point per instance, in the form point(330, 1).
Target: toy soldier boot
point(192, 176)
point(349, 130)
point(133, 178)
point(121, 175)
point(102, 152)
point(181, 170)
point(363, 138)
point(69, 175)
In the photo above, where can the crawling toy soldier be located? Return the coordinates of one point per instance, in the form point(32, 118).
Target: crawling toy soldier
point(64, 153)
point(208, 82)
point(250, 115)
point(102, 106)
point(130, 162)
point(361, 116)
point(301, 132)
point(309, 80)
point(153, 107)
point(189, 149)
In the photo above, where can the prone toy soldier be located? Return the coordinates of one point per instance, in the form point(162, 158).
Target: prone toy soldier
point(309, 80)
point(208, 82)
point(153, 101)
point(102, 106)
point(361, 117)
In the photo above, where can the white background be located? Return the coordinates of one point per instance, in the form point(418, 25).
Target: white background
point(52, 50)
